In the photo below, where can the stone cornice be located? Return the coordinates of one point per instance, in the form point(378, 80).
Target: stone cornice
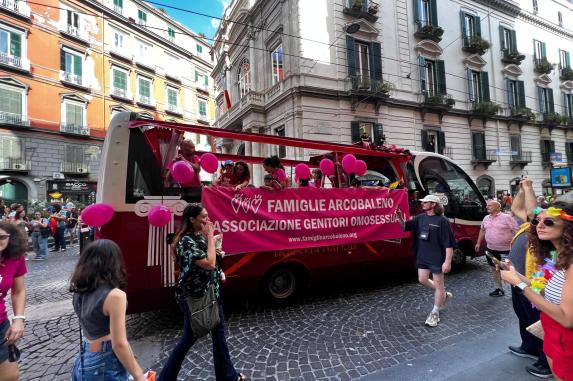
point(506, 6)
point(538, 21)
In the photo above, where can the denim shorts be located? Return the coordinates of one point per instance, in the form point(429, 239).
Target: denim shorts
point(99, 366)
point(4, 347)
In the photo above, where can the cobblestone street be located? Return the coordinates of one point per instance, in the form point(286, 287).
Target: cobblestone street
point(339, 334)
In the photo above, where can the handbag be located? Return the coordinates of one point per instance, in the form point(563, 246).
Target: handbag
point(204, 312)
point(45, 232)
point(536, 329)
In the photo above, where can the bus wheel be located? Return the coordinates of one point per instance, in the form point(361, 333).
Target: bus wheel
point(281, 285)
point(458, 259)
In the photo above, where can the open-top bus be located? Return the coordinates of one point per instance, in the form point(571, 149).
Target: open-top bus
point(135, 156)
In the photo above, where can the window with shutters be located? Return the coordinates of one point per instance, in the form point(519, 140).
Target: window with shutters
point(118, 41)
point(547, 148)
point(569, 151)
point(281, 150)
point(545, 97)
point(12, 48)
point(568, 106)
point(71, 66)
point(171, 34)
point(73, 23)
point(12, 153)
point(535, 7)
point(478, 86)
point(74, 116)
point(426, 19)
point(202, 108)
point(118, 6)
point(364, 65)
point(172, 99)
point(141, 17)
point(539, 53)
point(120, 83)
point(199, 49)
point(277, 62)
point(13, 105)
point(432, 77)
point(369, 132)
point(144, 91)
point(479, 151)
point(244, 78)
point(74, 160)
point(515, 96)
point(564, 59)
point(470, 25)
point(518, 156)
point(361, 62)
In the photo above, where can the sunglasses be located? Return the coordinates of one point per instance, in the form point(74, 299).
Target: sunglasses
point(549, 222)
point(4, 236)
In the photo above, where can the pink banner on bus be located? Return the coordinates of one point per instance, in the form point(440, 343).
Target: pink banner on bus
point(261, 220)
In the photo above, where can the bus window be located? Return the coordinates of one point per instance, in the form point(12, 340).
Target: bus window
point(442, 177)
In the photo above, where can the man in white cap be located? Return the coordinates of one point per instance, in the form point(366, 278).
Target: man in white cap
point(434, 244)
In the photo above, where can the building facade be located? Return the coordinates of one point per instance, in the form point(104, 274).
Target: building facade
point(487, 82)
point(67, 67)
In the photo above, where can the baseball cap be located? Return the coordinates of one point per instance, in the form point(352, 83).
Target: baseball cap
point(431, 198)
point(70, 205)
point(228, 162)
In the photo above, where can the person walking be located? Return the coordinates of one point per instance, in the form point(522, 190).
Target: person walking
point(13, 246)
point(195, 252)
point(434, 244)
point(40, 234)
point(497, 229)
point(59, 217)
point(552, 241)
point(100, 305)
point(531, 347)
point(71, 222)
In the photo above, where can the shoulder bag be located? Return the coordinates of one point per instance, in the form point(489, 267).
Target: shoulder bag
point(204, 312)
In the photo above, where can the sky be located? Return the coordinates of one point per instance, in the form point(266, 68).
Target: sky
point(197, 23)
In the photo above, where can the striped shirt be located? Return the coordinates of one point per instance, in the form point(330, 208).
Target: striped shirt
point(554, 287)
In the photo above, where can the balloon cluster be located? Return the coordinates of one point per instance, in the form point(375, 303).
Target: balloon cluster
point(351, 165)
point(183, 172)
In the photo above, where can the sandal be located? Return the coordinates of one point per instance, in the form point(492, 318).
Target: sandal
point(241, 377)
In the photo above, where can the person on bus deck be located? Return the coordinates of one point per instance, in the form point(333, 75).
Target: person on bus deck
point(434, 243)
point(242, 175)
point(187, 153)
point(100, 305)
point(270, 183)
point(316, 178)
point(497, 230)
point(338, 179)
point(272, 165)
point(227, 176)
point(195, 252)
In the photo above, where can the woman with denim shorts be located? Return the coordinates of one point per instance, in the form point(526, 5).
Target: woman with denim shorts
point(100, 305)
point(12, 270)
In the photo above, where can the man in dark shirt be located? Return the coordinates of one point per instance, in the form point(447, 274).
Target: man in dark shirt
point(433, 247)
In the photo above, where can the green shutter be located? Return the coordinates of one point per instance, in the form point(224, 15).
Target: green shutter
point(551, 146)
point(510, 100)
point(550, 100)
point(355, 132)
point(469, 78)
point(15, 44)
point(206, 80)
point(441, 77)
point(144, 88)
point(513, 41)
point(477, 26)
point(441, 142)
point(541, 103)
point(484, 77)
point(196, 76)
point(378, 133)
point(520, 94)
point(417, 5)
point(77, 65)
point(425, 140)
point(10, 101)
point(463, 25)
point(350, 56)
point(501, 38)
point(543, 50)
point(422, 68)
point(567, 60)
point(434, 12)
point(62, 60)
point(375, 61)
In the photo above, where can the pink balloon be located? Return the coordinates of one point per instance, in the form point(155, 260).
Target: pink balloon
point(302, 171)
point(182, 172)
point(159, 215)
point(97, 214)
point(348, 163)
point(327, 167)
point(209, 162)
point(281, 175)
point(360, 167)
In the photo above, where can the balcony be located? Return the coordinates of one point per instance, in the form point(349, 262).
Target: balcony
point(274, 91)
point(521, 114)
point(16, 7)
point(201, 86)
point(475, 45)
point(72, 79)
point(512, 57)
point(363, 85)
point(485, 109)
point(121, 54)
point(144, 63)
point(74, 129)
point(173, 109)
point(542, 66)
point(552, 119)
point(121, 94)
point(74, 168)
point(251, 100)
point(438, 101)
point(566, 74)
point(74, 32)
point(520, 159)
point(426, 31)
point(448, 152)
point(483, 157)
point(173, 75)
point(13, 119)
point(10, 164)
point(14, 62)
point(146, 101)
point(365, 9)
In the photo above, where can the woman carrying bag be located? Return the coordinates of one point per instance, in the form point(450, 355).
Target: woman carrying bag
point(198, 295)
point(100, 305)
point(551, 237)
point(40, 234)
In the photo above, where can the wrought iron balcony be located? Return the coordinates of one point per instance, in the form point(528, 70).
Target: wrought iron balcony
point(552, 119)
point(15, 62)
point(520, 159)
point(10, 118)
point(435, 100)
point(566, 74)
point(74, 32)
point(475, 45)
point(367, 86)
point(484, 157)
point(427, 31)
point(70, 78)
point(15, 164)
point(365, 9)
point(74, 129)
point(74, 168)
point(18, 7)
point(512, 57)
point(542, 66)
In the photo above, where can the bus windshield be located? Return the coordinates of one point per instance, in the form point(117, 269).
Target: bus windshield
point(439, 176)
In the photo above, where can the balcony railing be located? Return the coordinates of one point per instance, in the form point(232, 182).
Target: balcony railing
point(70, 128)
point(364, 84)
point(484, 156)
point(145, 100)
point(70, 78)
point(512, 57)
point(545, 157)
point(427, 31)
point(14, 164)
point(17, 62)
point(521, 157)
point(10, 118)
point(16, 6)
point(436, 100)
point(75, 168)
point(566, 74)
point(542, 66)
point(475, 45)
point(366, 9)
point(121, 93)
point(448, 152)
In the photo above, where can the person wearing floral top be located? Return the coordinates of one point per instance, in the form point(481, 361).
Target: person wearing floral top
point(194, 249)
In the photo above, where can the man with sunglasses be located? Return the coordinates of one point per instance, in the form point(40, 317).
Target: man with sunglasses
point(497, 229)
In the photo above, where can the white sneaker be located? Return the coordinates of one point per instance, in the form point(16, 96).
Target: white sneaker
point(433, 319)
point(449, 295)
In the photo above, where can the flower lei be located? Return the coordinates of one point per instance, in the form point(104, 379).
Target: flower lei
point(540, 278)
point(554, 212)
